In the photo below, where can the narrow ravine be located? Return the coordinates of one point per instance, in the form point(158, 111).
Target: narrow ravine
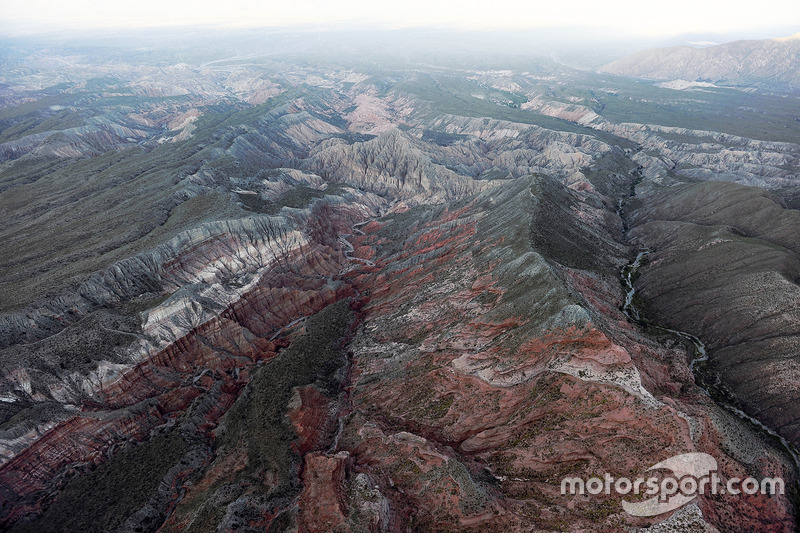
point(699, 355)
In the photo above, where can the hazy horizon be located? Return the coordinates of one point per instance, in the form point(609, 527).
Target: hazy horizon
point(771, 18)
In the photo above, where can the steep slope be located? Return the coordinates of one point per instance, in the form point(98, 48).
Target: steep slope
point(725, 266)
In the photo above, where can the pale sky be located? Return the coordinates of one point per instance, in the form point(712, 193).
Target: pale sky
point(643, 17)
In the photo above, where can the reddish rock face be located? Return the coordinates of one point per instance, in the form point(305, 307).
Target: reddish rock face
point(313, 415)
point(321, 507)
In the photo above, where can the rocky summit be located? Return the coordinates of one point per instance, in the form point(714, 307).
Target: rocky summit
point(310, 290)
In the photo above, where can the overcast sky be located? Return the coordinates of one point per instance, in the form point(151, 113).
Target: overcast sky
point(641, 17)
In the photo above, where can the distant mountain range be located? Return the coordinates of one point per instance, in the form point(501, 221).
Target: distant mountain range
point(767, 64)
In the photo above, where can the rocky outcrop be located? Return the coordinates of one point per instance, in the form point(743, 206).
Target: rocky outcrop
point(667, 152)
point(320, 507)
point(197, 367)
point(254, 480)
point(391, 166)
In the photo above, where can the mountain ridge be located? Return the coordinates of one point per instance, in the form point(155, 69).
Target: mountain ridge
point(769, 64)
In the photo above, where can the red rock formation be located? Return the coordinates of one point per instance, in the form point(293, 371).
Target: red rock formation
point(322, 508)
point(313, 415)
point(451, 376)
point(212, 359)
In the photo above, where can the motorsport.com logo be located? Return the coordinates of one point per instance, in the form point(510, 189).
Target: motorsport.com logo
point(692, 474)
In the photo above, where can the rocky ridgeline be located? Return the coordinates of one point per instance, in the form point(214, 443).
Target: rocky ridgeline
point(391, 166)
point(518, 149)
point(244, 247)
point(195, 275)
point(472, 398)
point(483, 368)
point(668, 152)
